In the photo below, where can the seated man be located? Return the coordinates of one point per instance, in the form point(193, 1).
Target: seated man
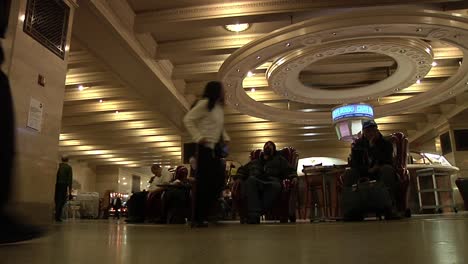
point(372, 157)
point(263, 183)
point(176, 199)
point(153, 205)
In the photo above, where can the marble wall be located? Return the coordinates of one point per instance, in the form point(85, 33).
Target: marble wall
point(107, 179)
point(84, 175)
point(37, 152)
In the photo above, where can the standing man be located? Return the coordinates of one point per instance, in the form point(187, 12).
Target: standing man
point(63, 187)
point(11, 230)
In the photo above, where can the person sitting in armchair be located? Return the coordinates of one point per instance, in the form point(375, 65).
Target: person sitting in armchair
point(153, 204)
point(372, 157)
point(263, 179)
point(176, 199)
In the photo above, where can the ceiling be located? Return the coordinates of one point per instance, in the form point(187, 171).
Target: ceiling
point(304, 58)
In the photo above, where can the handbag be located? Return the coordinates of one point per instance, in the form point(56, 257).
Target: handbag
point(221, 149)
point(365, 197)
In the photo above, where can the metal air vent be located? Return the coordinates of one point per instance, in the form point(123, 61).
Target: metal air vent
point(47, 22)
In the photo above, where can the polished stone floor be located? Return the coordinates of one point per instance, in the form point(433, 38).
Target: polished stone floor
point(419, 240)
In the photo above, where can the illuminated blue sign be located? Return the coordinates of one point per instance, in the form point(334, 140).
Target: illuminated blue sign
point(353, 111)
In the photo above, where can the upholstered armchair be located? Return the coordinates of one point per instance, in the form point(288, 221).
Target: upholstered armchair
point(400, 161)
point(176, 198)
point(285, 206)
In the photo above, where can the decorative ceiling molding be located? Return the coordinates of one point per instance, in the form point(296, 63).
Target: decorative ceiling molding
point(413, 58)
point(88, 78)
point(129, 37)
point(435, 123)
point(124, 12)
point(332, 29)
point(101, 149)
point(104, 106)
point(148, 43)
point(123, 133)
point(187, 70)
point(95, 93)
point(205, 44)
point(123, 116)
point(146, 21)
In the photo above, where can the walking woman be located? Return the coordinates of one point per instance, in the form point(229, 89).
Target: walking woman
point(205, 123)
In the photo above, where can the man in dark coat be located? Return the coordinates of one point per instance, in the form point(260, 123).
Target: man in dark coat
point(263, 180)
point(63, 187)
point(372, 157)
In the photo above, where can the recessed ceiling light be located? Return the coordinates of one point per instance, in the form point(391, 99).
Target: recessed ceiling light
point(288, 44)
point(252, 90)
point(258, 57)
point(250, 74)
point(434, 64)
point(100, 101)
point(239, 27)
point(80, 87)
point(418, 81)
point(116, 112)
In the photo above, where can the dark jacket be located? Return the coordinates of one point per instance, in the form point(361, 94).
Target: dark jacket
point(4, 15)
point(65, 174)
point(364, 156)
point(381, 153)
point(275, 168)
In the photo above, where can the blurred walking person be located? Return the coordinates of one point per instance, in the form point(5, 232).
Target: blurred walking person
point(205, 123)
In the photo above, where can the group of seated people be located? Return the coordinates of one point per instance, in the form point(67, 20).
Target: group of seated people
point(261, 181)
point(167, 201)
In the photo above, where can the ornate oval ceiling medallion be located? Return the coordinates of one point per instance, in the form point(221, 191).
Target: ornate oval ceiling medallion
point(401, 35)
point(406, 73)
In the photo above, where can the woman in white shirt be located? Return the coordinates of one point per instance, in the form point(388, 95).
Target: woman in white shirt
point(205, 123)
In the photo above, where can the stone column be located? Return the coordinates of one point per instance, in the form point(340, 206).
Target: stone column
point(107, 179)
point(37, 151)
